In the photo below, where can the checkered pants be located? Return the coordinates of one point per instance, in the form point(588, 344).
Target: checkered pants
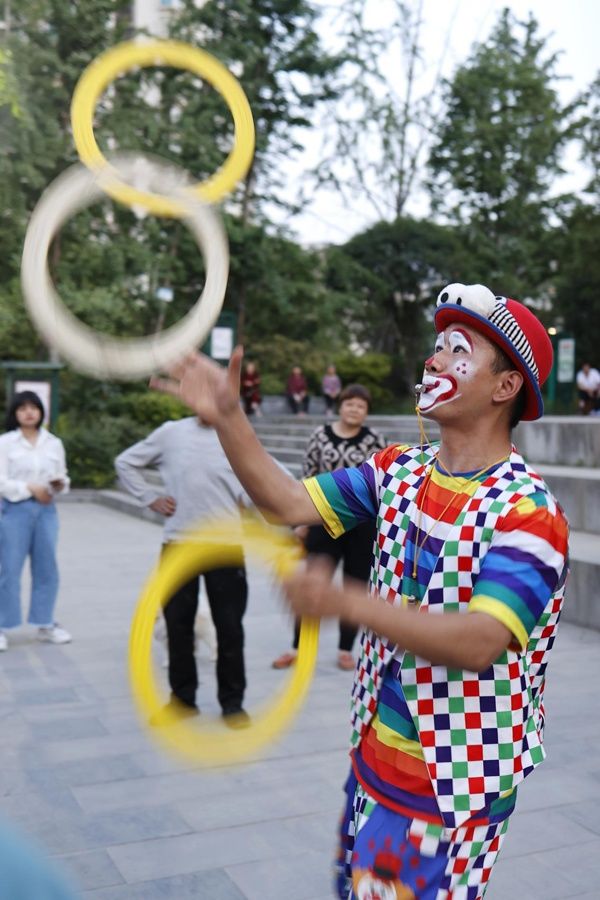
point(386, 855)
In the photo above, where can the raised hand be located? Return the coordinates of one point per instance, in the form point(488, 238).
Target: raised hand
point(211, 391)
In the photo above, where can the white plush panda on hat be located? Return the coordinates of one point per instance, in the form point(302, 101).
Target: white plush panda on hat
point(476, 297)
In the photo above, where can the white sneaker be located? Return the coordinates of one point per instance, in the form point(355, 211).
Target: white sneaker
point(3, 642)
point(54, 634)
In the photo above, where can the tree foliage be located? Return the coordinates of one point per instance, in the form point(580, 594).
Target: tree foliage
point(498, 151)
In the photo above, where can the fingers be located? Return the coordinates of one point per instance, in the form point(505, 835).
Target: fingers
point(165, 385)
point(235, 367)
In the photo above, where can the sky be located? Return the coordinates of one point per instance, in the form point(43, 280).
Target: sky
point(449, 30)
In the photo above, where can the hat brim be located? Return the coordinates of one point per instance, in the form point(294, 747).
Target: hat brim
point(451, 312)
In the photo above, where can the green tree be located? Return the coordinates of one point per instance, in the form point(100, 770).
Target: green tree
point(498, 152)
point(389, 276)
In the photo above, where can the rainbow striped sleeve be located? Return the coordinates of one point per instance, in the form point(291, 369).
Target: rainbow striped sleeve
point(345, 497)
point(523, 566)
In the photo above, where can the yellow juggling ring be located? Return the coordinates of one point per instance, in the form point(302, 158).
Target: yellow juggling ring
point(122, 58)
point(212, 546)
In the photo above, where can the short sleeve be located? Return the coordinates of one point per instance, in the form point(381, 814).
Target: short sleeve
point(523, 566)
point(345, 497)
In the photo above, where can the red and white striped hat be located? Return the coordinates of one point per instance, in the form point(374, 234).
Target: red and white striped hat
point(508, 324)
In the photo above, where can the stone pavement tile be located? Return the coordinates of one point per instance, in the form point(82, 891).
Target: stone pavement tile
point(290, 798)
point(557, 874)
point(49, 696)
point(532, 832)
point(300, 877)
point(547, 788)
point(280, 839)
point(71, 729)
point(94, 869)
point(585, 814)
point(210, 885)
point(63, 833)
point(97, 771)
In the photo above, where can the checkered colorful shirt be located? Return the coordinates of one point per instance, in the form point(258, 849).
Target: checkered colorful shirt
point(480, 733)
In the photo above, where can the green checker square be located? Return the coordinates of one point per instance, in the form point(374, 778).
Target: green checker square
point(450, 579)
point(475, 848)
point(486, 535)
point(458, 737)
point(409, 661)
point(451, 548)
point(461, 802)
point(505, 751)
point(502, 687)
point(460, 770)
point(497, 506)
point(537, 755)
point(456, 705)
point(455, 674)
point(506, 783)
point(452, 607)
point(396, 550)
point(388, 576)
point(387, 497)
point(504, 719)
point(370, 686)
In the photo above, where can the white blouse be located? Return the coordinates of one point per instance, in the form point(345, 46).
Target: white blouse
point(23, 463)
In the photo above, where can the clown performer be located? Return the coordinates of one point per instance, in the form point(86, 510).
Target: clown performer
point(466, 592)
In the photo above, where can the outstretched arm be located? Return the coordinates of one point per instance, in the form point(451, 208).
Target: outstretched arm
point(471, 642)
point(213, 394)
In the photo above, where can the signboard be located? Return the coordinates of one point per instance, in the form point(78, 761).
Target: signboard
point(565, 361)
point(221, 342)
point(41, 388)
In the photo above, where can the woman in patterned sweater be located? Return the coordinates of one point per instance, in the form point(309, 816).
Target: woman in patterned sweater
point(347, 442)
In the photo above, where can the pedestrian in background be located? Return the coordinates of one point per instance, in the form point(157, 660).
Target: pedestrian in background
point(33, 471)
point(330, 388)
point(198, 484)
point(297, 392)
point(588, 389)
point(347, 442)
point(250, 389)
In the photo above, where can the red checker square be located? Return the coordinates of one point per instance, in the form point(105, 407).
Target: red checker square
point(459, 865)
point(390, 514)
point(424, 676)
point(372, 704)
point(517, 764)
point(464, 594)
point(516, 701)
point(513, 670)
point(399, 568)
point(495, 844)
point(471, 688)
point(473, 720)
point(465, 563)
point(467, 533)
point(425, 707)
point(548, 631)
point(474, 752)
point(517, 733)
point(427, 738)
point(485, 875)
point(476, 786)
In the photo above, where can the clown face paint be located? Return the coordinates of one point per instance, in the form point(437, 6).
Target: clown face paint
point(439, 388)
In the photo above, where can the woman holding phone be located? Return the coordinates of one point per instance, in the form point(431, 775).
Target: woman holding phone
point(32, 471)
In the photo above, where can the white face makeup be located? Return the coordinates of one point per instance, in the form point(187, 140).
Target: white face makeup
point(438, 389)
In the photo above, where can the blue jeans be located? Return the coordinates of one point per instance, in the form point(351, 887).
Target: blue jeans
point(28, 528)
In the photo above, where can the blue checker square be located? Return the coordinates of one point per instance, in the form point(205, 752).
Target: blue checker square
point(445, 787)
point(441, 722)
point(488, 704)
point(443, 754)
point(440, 690)
point(489, 735)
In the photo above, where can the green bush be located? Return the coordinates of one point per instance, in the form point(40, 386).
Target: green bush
point(151, 409)
point(92, 445)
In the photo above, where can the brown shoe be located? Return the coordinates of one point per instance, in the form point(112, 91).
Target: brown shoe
point(285, 660)
point(345, 661)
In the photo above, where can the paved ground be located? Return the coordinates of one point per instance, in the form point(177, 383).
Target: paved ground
point(130, 823)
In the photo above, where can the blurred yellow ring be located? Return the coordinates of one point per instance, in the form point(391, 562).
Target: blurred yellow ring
point(211, 743)
point(121, 59)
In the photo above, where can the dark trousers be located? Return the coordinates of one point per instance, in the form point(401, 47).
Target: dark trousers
point(297, 406)
point(227, 593)
point(355, 548)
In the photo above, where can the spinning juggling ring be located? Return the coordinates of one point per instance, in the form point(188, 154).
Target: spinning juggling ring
point(211, 743)
point(88, 350)
point(122, 58)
